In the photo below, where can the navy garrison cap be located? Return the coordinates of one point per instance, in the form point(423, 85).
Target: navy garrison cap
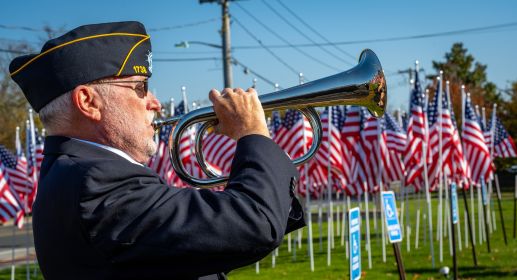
point(83, 55)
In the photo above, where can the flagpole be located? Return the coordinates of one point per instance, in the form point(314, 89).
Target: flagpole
point(381, 188)
point(467, 216)
point(367, 214)
point(18, 152)
point(500, 208)
point(440, 169)
point(329, 191)
point(308, 212)
point(447, 186)
point(426, 179)
point(515, 209)
point(497, 177)
point(491, 224)
point(34, 177)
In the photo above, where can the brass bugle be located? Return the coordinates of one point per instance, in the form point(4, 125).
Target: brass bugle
point(363, 85)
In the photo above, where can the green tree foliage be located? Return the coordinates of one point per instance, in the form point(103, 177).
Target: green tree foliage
point(13, 105)
point(461, 68)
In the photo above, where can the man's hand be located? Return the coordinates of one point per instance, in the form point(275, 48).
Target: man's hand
point(239, 112)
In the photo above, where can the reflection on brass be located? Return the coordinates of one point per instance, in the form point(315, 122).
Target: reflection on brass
point(363, 85)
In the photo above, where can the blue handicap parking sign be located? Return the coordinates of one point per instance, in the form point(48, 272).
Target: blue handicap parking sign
point(454, 203)
point(354, 239)
point(391, 217)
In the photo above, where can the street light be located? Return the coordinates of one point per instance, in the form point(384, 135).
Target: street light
point(186, 44)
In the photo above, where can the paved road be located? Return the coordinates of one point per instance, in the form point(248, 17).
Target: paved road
point(12, 237)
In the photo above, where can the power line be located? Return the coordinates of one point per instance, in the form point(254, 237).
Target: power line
point(185, 59)
point(400, 38)
point(254, 73)
point(284, 40)
point(12, 51)
point(314, 30)
point(302, 33)
point(266, 48)
point(183, 25)
point(24, 28)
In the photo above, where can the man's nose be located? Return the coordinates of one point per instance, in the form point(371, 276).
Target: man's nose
point(153, 103)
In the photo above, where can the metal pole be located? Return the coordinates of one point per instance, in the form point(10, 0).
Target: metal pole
point(225, 34)
point(485, 210)
point(400, 264)
point(515, 209)
point(453, 235)
point(500, 208)
point(472, 241)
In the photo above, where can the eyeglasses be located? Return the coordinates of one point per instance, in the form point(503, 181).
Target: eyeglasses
point(142, 87)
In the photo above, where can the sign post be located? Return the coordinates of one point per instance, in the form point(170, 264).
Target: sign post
point(454, 218)
point(354, 239)
point(393, 228)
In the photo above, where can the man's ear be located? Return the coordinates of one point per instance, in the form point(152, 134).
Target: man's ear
point(87, 102)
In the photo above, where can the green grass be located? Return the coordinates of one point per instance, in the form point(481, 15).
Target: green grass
point(500, 264)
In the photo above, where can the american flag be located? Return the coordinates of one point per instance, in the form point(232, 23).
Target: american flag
point(330, 154)
point(10, 205)
point(395, 136)
point(476, 151)
point(416, 137)
point(294, 135)
point(504, 146)
point(161, 163)
point(395, 140)
point(35, 147)
point(186, 147)
point(351, 137)
point(219, 151)
point(454, 165)
point(18, 176)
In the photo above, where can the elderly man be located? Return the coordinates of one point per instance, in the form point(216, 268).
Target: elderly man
point(100, 213)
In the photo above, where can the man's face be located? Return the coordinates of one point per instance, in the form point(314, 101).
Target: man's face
point(128, 115)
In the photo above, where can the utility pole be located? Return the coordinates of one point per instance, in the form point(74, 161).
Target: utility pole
point(226, 42)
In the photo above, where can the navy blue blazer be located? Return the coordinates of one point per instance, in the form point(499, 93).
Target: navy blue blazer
point(99, 216)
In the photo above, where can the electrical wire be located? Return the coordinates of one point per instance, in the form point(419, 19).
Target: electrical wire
point(476, 30)
point(183, 25)
point(255, 73)
point(314, 30)
point(284, 40)
point(266, 48)
point(284, 19)
point(185, 59)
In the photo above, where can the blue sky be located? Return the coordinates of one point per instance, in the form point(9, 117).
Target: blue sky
point(338, 21)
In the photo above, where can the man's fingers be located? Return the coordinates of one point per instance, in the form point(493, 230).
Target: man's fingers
point(213, 95)
point(251, 90)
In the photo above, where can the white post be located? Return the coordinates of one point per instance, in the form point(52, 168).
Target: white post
point(417, 231)
point(440, 169)
point(346, 240)
point(426, 183)
point(466, 228)
point(338, 212)
point(343, 221)
point(381, 188)
point(480, 218)
point(367, 214)
point(329, 189)
point(308, 204)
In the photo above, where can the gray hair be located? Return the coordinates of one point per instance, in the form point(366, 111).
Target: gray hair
point(57, 115)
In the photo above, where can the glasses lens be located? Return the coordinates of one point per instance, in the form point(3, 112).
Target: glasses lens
point(146, 86)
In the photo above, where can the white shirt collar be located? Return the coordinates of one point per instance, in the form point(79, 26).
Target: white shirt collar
point(111, 149)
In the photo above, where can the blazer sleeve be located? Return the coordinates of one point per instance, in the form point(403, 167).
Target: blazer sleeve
point(138, 219)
